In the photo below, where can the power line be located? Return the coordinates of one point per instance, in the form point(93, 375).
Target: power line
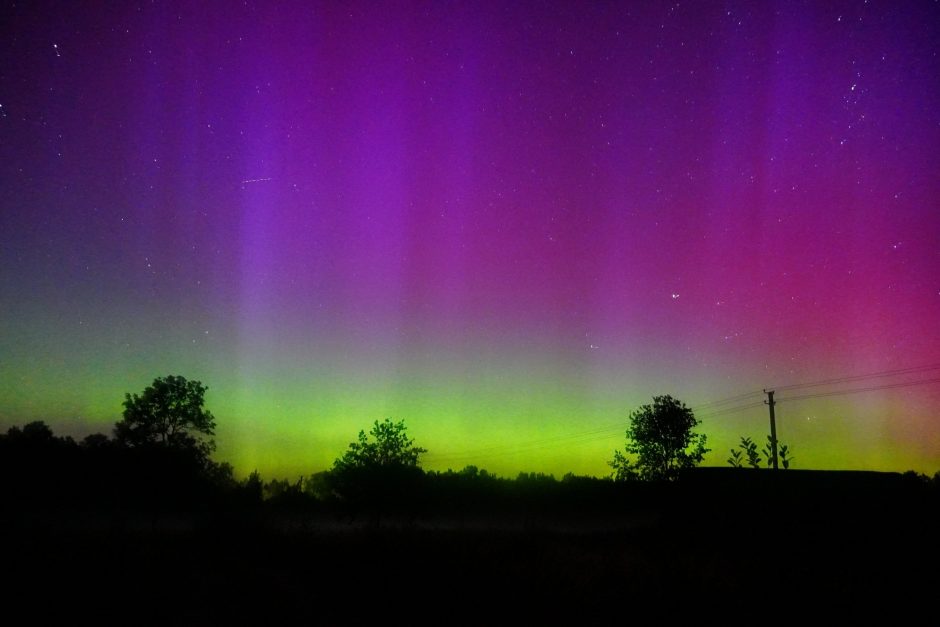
point(519, 450)
point(858, 377)
point(500, 449)
point(873, 388)
point(730, 410)
point(577, 438)
point(726, 401)
point(713, 409)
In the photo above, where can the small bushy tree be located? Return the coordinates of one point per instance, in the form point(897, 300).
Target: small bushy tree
point(389, 447)
point(381, 470)
point(662, 438)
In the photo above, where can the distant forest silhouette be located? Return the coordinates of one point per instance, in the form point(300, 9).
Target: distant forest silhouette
point(145, 527)
point(160, 457)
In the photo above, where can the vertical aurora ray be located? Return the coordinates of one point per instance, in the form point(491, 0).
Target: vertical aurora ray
point(503, 224)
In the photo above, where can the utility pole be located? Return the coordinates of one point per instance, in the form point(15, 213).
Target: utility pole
point(773, 426)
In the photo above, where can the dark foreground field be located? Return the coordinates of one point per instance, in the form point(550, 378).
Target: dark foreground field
point(731, 547)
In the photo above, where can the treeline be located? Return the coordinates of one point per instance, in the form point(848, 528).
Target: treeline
point(42, 471)
point(160, 459)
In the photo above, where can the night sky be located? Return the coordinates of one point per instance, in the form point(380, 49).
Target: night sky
point(508, 224)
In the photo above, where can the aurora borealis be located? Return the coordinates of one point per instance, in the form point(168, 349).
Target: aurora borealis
point(508, 224)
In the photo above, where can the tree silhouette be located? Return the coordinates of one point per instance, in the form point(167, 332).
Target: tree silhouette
point(661, 437)
point(624, 470)
point(381, 471)
point(390, 448)
point(96, 441)
point(169, 413)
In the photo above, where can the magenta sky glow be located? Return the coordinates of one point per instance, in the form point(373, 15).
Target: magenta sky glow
point(499, 221)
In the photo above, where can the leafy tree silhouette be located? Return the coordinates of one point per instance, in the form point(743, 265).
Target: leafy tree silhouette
point(170, 412)
point(391, 447)
point(35, 465)
point(166, 441)
point(37, 432)
point(253, 487)
point(381, 471)
point(661, 437)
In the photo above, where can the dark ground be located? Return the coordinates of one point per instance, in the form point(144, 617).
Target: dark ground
point(729, 547)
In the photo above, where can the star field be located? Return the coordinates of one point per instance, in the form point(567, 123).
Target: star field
point(501, 223)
